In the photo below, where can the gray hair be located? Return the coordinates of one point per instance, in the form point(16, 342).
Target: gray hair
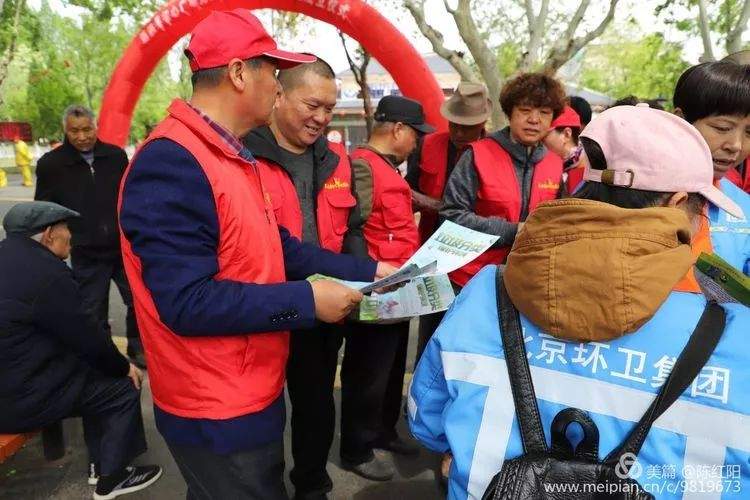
point(78, 111)
point(37, 237)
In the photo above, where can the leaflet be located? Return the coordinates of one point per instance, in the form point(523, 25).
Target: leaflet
point(451, 247)
point(407, 272)
point(423, 295)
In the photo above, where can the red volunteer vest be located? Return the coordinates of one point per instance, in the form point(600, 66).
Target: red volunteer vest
point(335, 200)
point(216, 377)
point(433, 166)
point(390, 231)
point(737, 179)
point(575, 178)
point(499, 195)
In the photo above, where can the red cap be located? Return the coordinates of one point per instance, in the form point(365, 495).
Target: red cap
point(225, 35)
point(568, 118)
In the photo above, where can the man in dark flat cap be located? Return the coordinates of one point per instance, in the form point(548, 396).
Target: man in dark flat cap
point(56, 361)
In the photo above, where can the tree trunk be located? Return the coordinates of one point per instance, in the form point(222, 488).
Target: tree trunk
point(569, 45)
point(454, 57)
point(734, 37)
point(366, 98)
point(484, 57)
point(537, 25)
point(359, 70)
point(708, 51)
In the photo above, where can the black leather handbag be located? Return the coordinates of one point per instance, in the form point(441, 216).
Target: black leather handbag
point(566, 472)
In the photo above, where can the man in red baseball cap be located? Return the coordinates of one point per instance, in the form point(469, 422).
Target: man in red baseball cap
point(209, 266)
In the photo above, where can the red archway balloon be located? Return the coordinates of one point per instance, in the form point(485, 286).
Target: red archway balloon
point(178, 17)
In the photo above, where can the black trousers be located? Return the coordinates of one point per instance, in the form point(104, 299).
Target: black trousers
point(248, 475)
point(112, 421)
point(311, 371)
point(93, 277)
point(427, 326)
point(372, 379)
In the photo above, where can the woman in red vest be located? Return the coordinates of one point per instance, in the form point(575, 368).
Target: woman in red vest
point(740, 176)
point(562, 140)
point(503, 177)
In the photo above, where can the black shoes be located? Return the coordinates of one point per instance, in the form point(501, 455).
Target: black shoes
point(399, 447)
point(376, 469)
point(131, 479)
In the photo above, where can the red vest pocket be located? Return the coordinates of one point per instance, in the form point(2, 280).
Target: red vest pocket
point(396, 209)
point(341, 202)
point(394, 251)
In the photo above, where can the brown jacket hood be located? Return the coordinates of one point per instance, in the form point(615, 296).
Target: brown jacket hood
point(584, 270)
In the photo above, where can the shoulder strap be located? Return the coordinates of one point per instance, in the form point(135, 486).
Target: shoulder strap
point(521, 385)
point(694, 356)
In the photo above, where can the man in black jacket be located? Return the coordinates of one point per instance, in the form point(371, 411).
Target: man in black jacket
point(55, 361)
point(84, 175)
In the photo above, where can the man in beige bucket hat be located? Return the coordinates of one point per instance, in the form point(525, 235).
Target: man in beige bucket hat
point(467, 111)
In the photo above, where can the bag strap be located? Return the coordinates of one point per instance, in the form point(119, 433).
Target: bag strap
point(694, 356)
point(524, 397)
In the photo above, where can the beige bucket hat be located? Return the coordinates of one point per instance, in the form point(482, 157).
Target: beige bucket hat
point(469, 105)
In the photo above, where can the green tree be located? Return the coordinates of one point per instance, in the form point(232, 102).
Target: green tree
point(66, 61)
point(151, 108)
point(715, 21)
point(136, 10)
point(647, 68)
point(18, 27)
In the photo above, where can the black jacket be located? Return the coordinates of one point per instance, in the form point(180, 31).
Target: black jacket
point(48, 346)
point(64, 177)
point(262, 144)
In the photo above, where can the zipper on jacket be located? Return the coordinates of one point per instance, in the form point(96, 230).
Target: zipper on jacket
point(524, 197)
point(256, 172)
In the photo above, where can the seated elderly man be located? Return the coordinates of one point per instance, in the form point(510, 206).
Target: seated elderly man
point(55, 362)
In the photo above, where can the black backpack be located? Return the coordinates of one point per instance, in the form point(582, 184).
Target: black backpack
point(564, 472)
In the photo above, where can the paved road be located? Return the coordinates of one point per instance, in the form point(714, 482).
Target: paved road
point(28, 476)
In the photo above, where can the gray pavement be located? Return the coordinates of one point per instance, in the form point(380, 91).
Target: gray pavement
point(28, 476)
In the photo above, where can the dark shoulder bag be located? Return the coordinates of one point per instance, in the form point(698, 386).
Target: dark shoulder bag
point(552, 474)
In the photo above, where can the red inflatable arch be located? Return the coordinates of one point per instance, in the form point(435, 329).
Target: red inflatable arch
point(178, 17)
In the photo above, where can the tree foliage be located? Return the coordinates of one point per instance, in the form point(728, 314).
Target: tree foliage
point(722, 22)
point(648, 67)
point(63, 61)
point(541, 35)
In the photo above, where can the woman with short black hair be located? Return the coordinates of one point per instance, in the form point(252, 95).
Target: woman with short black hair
point(715, 98)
